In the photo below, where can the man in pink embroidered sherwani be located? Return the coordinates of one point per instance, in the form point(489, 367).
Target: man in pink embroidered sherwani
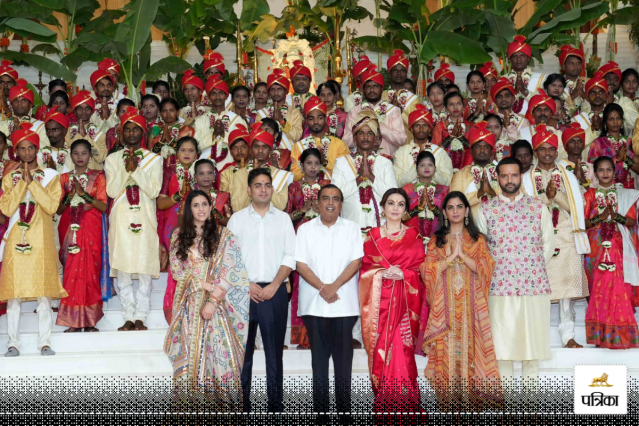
point(521, 239)
point(389, 116)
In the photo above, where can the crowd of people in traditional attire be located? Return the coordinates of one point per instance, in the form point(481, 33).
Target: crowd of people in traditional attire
point(443, 228)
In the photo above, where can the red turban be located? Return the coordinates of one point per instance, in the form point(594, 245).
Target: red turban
point(240, 133)
point(541, 98)
point(98, 75)
point(610, 67)
point(258, 134)
point(215, 82)
point(371, 75)
point(133, 115)
point(502, 84)
point(312, 103)
point(445, 71)
point(360, 66)
point(82, 97)
point(567, 51)
point(189, 77)
point(21, 90)
point(479, 133)
point(299, 68)
point(215, 60)
point(597, 81)
point(5, 69)
point(25, 134)
point(397, 58)
point(543, 135)
point(573, 131)
point(110, 65)
point(278, 76)
point(519, 45)
point(420, 113)
point(488, 69)
point(58, 117)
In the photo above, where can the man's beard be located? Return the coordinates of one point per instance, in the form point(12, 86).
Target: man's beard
point(506, 191)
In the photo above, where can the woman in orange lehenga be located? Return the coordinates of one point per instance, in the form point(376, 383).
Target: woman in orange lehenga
point(391, 294)
point(458, 341)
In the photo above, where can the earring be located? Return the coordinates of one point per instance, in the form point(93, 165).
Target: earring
point(466, 220)
point(445, 222)
point(383, 215)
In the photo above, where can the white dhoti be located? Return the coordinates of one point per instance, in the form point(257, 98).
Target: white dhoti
point(45, 322)
point(136, 307)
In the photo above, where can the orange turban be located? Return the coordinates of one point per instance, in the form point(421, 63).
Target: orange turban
point(502, 84)
point(260, 135)
point(567, 51)
point(240, 133)
point(189, 77)
point(6, 69)
point(397, 58)
point(488, 70)
point(299, 68)
point(543, 135)
point(110, 65)
point(372, 75)
point(519, 45)
point(133, 115)
point(479, 133)
point(597, 81)
point(215, 82)
point(21, 90)
point(58, 117)
point(360, 66)
point(25, 134)
point(541, 98)
point(82, 97)
point(573, 131)
point(420, 113)
point(278, 76)
point(312, 103)
point(610, 67)
point(98, 75)
point(445, 71)
point(215, 60)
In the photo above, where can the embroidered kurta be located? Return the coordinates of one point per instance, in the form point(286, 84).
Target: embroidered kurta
point(292, 130)
point(406, 170)
point(205, 132)
point(129, 252)
point(239, 183)
point(391, 128)
point(336, 148)
point(33, 275)
point(464, 181)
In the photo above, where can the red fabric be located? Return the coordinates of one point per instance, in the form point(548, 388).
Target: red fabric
point(25, 133)
point(216, 82)
point(397, 58)
point(98, 75)
point(21, 90)
point(215, 60)
point(82, 97)
point(58, 117)
point(189, 77)
point(488, 69)
point(542, 98)
point(360, 66)
point(393, 368)
point(83, 306)
point(502, 83)
point(109, 65)
point(543, 135)
point(262, 136)
point(312, 103)
point(372, 75)
point(479, 132)
point(299, 68)
point(133, 115)
point(239, 133)
point(574, 130)
point(597, 81)
point(445, 71)
point(519, 45)
point(278, 76)
point(420, 113)
point(6, 69)
point(567, 50)
point(609, 67)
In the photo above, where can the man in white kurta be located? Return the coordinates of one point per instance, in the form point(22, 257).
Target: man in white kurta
point(106, 105)
point(561, 192)
point(212, 129)
point(21, 100)
point(420, 123)
point(519, 296)
point(133, 239)
point(540, 110)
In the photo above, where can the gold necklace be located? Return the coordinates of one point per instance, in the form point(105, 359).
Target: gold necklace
point(400, 233)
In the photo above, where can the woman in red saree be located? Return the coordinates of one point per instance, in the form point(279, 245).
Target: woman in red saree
point(302, 207)
point(611, 265)
point(462, 368)
point(391, 293)
point(203, 172)
point(80, 230)
point(450, 133)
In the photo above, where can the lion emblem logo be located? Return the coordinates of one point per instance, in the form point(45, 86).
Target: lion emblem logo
point(600, 381)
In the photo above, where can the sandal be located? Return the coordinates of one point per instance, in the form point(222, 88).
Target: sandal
point(128, 326)
point(90, 329)
point(72, 330)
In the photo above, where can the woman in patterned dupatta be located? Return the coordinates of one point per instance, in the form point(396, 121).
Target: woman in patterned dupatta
point(458, 341)
point(391, 294)
point(207, 336)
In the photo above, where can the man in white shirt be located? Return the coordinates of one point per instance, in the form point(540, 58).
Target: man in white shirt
point(329, 252)
point(267, 240)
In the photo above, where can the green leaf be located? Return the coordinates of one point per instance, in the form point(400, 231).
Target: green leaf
point(264, 30)
point(26, 27)
point(51, 4)
point(455, 46)
point(574, 18)
point(544, 7)
point(134, 31)
point(170, 64)
point(503, 30)
point(46, 65)
point(623, 16)
point(47, 49)
point(252, 11)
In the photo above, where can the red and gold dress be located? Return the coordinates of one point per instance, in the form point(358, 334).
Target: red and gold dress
point(390, 313)
point(80, 232)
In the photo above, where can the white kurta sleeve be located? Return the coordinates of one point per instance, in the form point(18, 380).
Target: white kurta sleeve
point(116, 175)
point(384, 177)
point(150, 181)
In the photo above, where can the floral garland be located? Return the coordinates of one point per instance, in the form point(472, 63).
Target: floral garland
point(426, 217)
point(309, 142)
point(181, 173)
point(500, 146)
point(591, 115)
point(219, 153)
point(402, 97)
point(226, 121)
point(416, 149)
point(251, 165)
point(74, 130)
point(603, 198)
point(472, 105)
point(110, 105)
point(200, 110)
point(451, 126)
point(26, 210)
point(456, 148)
point(478, 172)
point(617, 142)
point(365, 187)
point(77, 209)
point(380, 109)
point(526, 75)
point(357, 97)
point(133, 192)
point(333, 123)
point(439, 116)
point(47, 153)
point(584, 167)
point(309, 192)
point(270, 109)
point(539, 187)
point(514, 119)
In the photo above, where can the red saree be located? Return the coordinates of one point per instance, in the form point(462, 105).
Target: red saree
point(83, 306)
point(390, 312)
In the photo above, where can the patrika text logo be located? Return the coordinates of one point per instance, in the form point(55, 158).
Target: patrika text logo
point(610, 393)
